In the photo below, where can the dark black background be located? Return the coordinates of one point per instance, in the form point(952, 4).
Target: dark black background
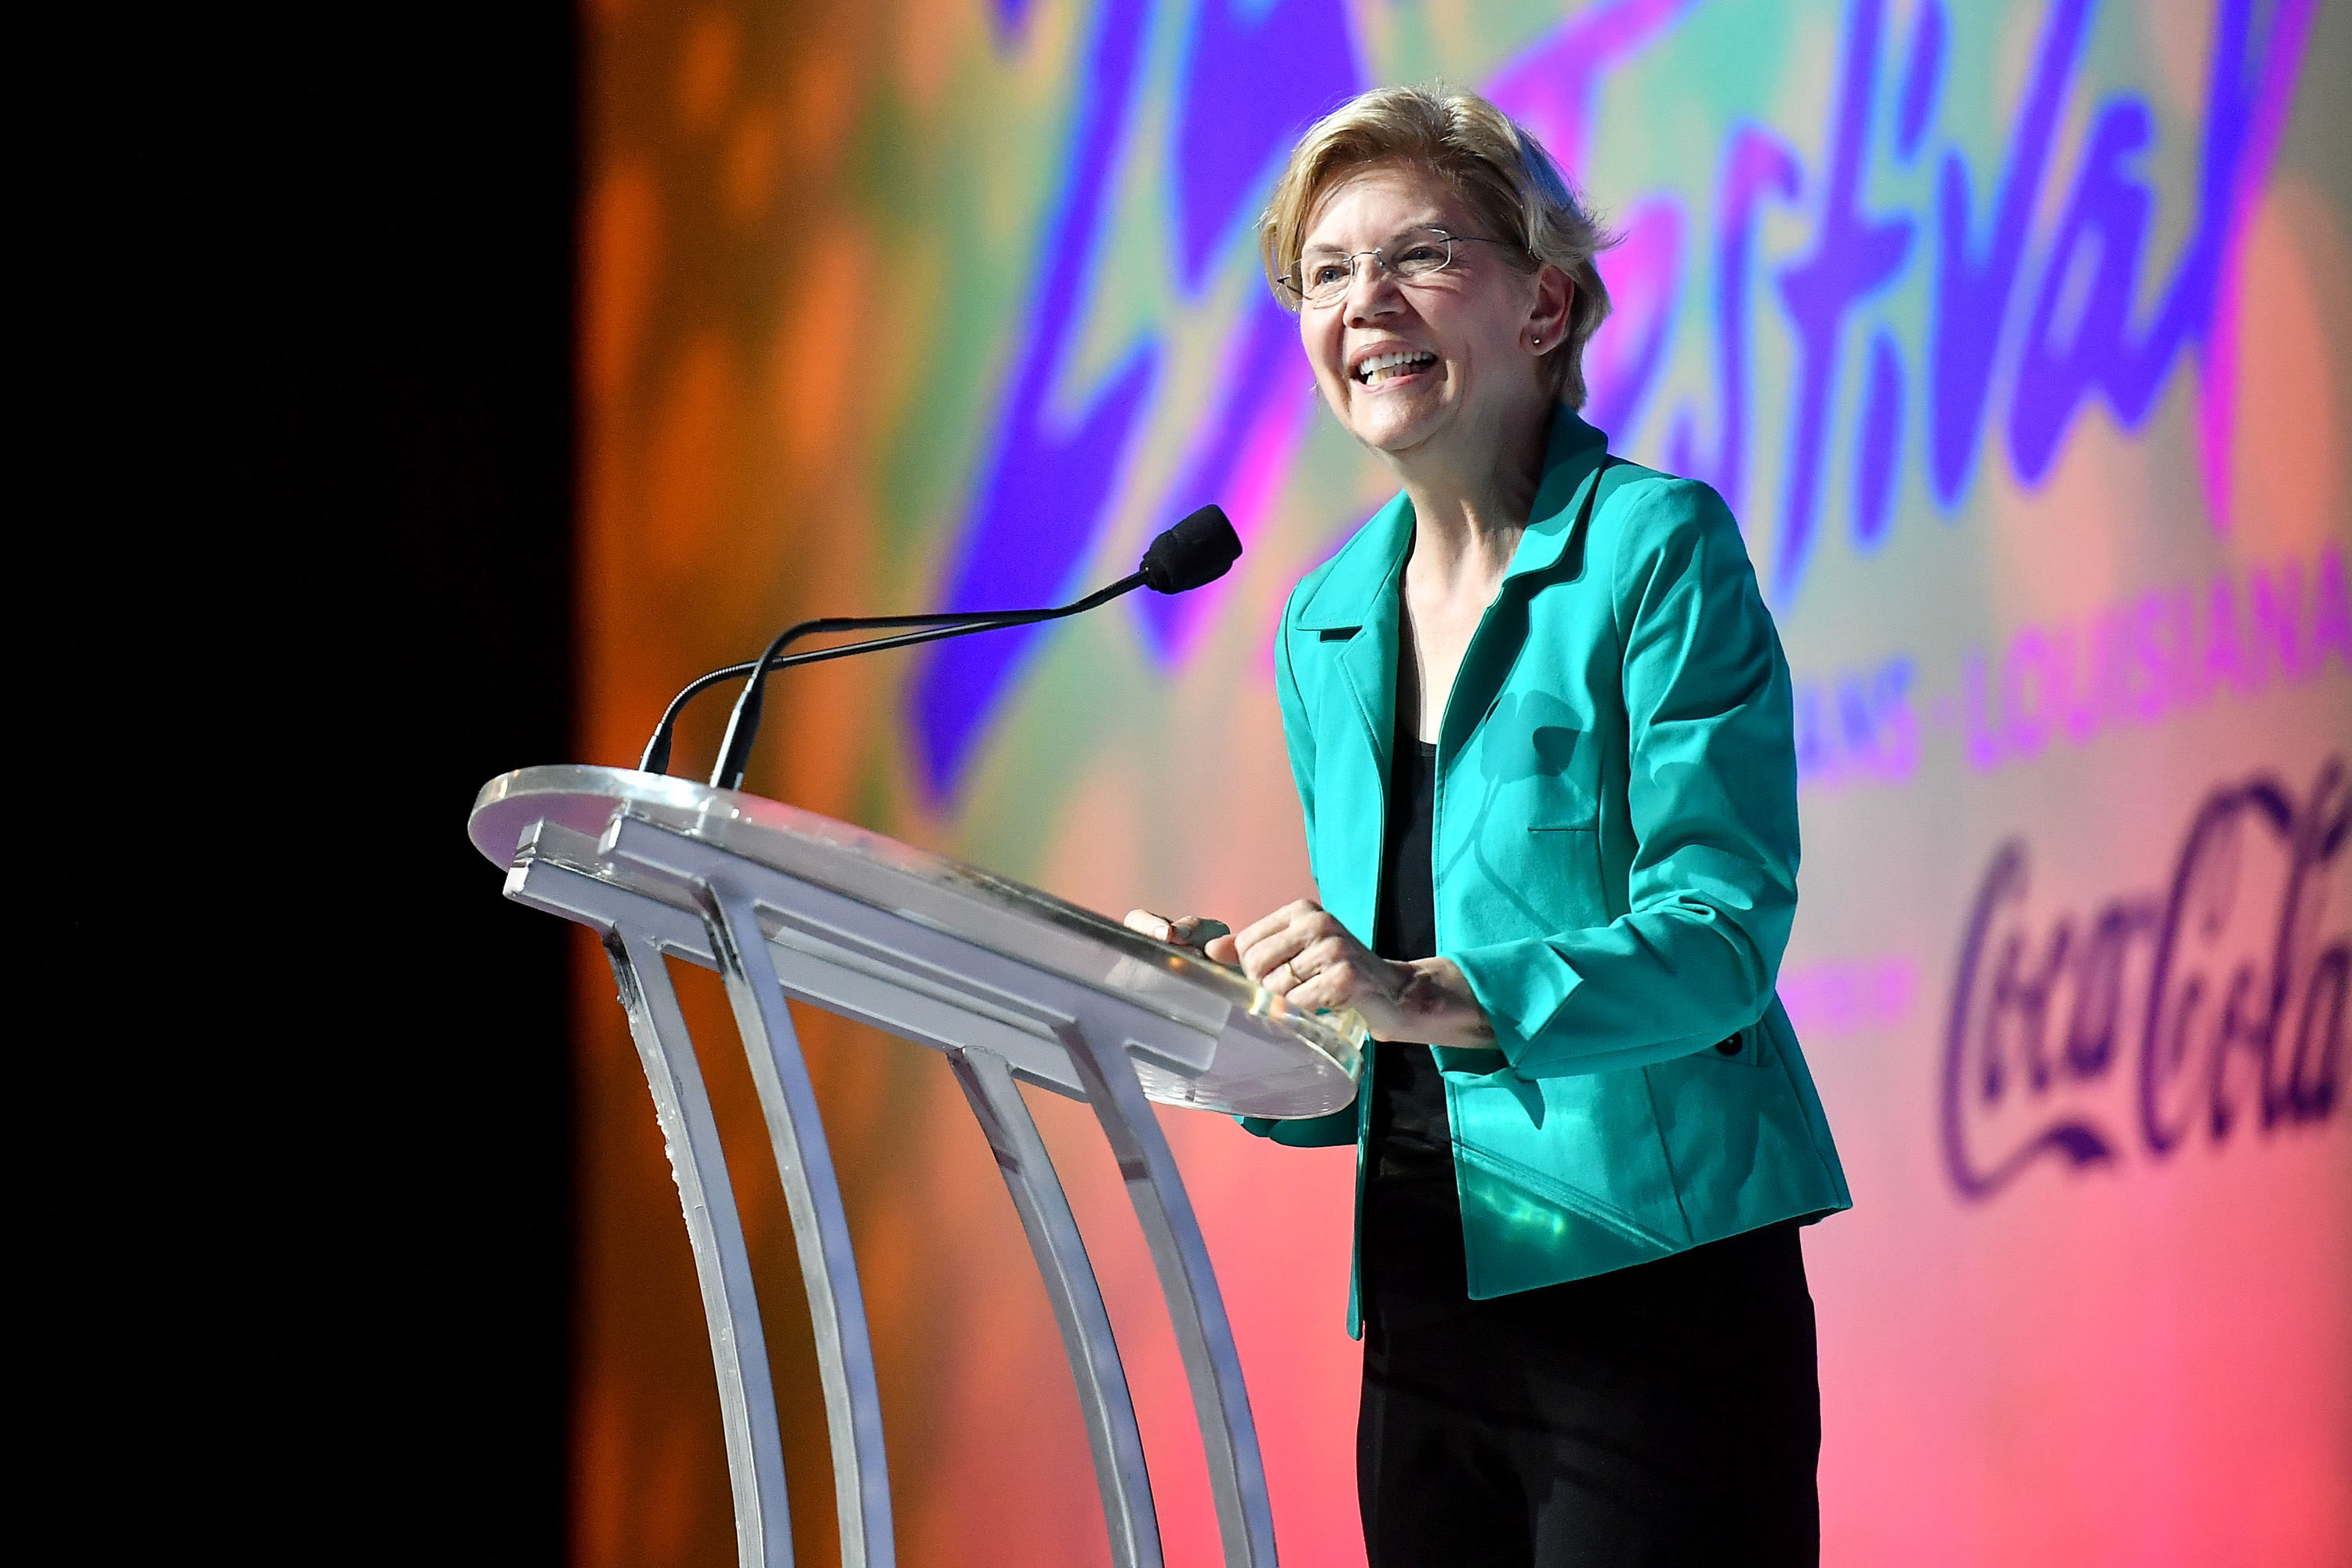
point(392, 213)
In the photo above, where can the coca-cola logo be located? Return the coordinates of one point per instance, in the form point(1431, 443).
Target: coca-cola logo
point(2213, 1006)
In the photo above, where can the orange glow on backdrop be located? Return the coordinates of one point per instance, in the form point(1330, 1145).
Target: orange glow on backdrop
point(892, 306)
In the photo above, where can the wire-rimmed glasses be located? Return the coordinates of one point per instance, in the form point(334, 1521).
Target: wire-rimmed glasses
point(1323, 278)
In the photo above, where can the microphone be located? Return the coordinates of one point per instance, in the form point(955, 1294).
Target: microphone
point(1197, 551)
point(1194, 552)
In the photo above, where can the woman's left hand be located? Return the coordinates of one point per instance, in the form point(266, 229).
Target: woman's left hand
point(1303, 953)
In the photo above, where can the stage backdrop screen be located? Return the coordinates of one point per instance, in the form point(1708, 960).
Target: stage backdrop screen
point(2019, 338)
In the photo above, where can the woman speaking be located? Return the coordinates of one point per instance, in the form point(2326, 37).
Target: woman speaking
point(1540, 727)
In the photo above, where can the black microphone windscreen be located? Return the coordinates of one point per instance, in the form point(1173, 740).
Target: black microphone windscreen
point(1196, 550)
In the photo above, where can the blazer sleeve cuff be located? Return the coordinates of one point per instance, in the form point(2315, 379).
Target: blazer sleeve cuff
point(1521, 986)
point(1307, 1131)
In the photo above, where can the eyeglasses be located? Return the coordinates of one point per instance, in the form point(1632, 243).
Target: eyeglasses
point(1325, 278)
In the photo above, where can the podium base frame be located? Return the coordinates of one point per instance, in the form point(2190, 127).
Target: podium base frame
point(710, 914)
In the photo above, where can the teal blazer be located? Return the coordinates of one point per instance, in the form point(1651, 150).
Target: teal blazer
point(1615, 852)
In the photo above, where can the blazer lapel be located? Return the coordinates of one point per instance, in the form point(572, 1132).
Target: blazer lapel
point(1357, 604)
point(1553, 546)
point(1572, 456)
point(1355, 710)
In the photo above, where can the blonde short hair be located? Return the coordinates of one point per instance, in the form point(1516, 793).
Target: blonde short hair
point(1500, 171)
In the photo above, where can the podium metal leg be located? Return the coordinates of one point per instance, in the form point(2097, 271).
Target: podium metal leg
point(1061, 1253)
point(722, 1263)
point(1211, 1365)
point(725, 892)
point(852, 1400)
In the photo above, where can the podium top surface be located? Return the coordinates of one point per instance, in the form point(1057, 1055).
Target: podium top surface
point(1284, 1061)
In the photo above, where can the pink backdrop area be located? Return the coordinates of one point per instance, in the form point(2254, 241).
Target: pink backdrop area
point(2019, 336)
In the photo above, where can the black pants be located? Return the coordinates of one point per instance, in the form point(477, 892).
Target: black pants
point(1667, 1414)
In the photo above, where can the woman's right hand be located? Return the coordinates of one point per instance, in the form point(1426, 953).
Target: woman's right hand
point(1301, 953)
point(1213, 938)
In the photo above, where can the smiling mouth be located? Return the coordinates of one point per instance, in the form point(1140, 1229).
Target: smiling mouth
point(1388, 367)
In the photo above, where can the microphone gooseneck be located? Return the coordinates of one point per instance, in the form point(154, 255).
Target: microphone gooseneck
point(657, 755)
point(1197, 551)
point(743, 723)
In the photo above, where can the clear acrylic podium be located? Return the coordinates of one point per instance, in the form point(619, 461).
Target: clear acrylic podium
point(1008, 983)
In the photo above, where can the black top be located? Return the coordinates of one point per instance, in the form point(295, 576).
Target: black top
point(1413, 1259)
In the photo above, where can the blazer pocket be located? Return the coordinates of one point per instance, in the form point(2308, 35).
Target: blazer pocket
point(1562, 877)
point(1521, 814)
point(1562, 791)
